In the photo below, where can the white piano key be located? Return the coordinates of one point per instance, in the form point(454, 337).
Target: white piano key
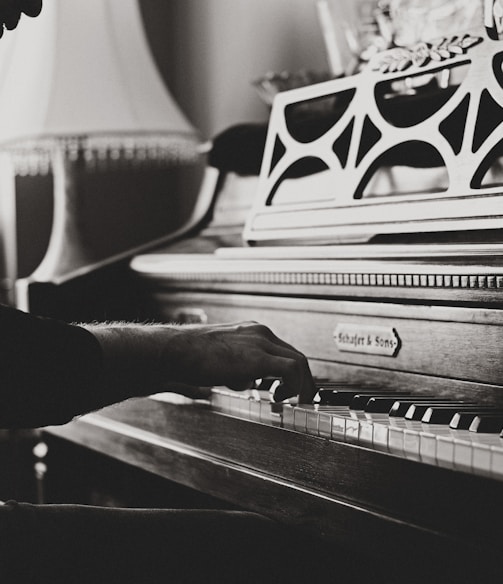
point(428, 447)
point(482, 453)
point(353, 427)
point(288, 416)
point(395, 439)
point(482, 459)
point(326, 417)
point(380, 431)
point(380, 435)
point(255, 410)
point(271, 413)
point(366, 431)
point(339, 427)
point(276, 416)
point(411, 444)
point(429, 435)
point(325, 424)
point(220, 400)
point(265, 412)
point(234, 405)
point(312, 421)
point(445, 451)
point(463, 454)
point(244, 406)
point(299, 419)
point(396, 427)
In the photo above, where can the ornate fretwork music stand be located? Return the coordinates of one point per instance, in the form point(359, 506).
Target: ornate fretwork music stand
point(410, 145)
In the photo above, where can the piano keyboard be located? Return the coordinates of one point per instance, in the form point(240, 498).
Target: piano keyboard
point(458, 435)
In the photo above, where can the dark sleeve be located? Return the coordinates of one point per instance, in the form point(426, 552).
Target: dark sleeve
point(50, 371)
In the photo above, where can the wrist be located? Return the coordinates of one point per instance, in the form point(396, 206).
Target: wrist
point(130, 357)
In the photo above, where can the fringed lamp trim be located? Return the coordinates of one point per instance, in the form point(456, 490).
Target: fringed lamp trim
point(105, 152)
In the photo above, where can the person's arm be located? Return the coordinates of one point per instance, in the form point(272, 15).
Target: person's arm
point(151, 358)
point(51, 371)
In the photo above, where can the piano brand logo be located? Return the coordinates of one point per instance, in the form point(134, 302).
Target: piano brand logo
point(373, 340)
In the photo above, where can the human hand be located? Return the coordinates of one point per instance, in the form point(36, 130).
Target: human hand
point(11, 10)
point(234, 355)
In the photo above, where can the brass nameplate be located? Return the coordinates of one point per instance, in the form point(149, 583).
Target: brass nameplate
point(373, 340)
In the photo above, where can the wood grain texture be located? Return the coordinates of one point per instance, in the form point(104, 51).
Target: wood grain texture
point(378, 503)
point(442, 341)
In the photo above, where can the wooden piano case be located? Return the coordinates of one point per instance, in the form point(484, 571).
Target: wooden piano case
point(409, 299)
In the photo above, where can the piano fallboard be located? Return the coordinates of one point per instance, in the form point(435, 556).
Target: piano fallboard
point(430, 343)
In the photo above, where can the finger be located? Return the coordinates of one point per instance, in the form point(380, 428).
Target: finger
point(307, 389)
point(191, 391)
point(281, 393)
point(242, 385)
point(296, 375)
point(195, 392)
point(306, 393)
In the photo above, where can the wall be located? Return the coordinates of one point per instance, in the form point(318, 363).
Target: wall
point(209, 51)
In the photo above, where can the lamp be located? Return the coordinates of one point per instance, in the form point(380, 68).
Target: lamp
point(80, 92)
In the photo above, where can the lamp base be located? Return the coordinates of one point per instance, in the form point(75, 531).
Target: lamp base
point(100, 218)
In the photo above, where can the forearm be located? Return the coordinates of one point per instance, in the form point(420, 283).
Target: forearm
point(131, 354)
point(143, 359)
point(51, 371)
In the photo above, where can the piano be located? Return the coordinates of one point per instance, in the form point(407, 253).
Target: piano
point(373, 243)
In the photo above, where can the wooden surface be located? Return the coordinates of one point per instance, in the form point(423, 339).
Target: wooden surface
point(441, 341)
point(380, 504)
point(466, 276)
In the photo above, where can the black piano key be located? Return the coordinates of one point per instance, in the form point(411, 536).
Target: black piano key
point(417, 410)
point(400, 407)
point(381, 405)
point(443, 414)
point(339, 397)
point(487, 423)
point(360, 400)
point(462, 419)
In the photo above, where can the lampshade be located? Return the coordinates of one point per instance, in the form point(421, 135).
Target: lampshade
point(81, 76)
point(80, 91)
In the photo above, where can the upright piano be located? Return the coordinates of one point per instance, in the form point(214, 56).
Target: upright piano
point(374, 244)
